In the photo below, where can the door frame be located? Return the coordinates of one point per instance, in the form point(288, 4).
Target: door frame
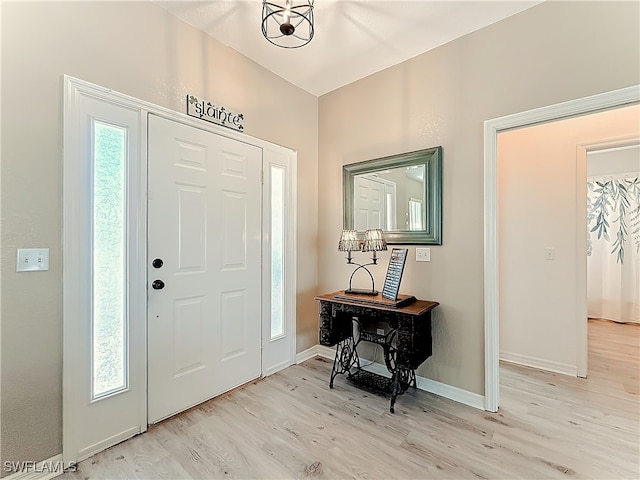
point(603, 101)
point(73, 90)
point(75, 268)
point(285, 159)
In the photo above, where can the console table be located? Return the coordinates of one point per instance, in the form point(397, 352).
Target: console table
point(402, 328)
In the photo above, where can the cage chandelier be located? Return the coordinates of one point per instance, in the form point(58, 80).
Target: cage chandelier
point(289, 25)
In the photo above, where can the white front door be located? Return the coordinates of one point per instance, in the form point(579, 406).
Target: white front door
point(204, 249)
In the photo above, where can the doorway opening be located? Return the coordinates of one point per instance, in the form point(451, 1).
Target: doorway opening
point(613, 226)
point(605, 101)
point(541, 186)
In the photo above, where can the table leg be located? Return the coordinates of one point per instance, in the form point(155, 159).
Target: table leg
point(401, 380)
point(346, 357)
point(394, 391)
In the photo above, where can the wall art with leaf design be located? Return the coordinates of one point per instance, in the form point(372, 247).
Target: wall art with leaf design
point(613, 213)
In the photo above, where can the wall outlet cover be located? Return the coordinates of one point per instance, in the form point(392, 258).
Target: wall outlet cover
point(549, 253)
point(423, 254)
point(32, 259)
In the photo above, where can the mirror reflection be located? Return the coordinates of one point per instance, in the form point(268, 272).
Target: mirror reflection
point(400, 194)
point(391, 199)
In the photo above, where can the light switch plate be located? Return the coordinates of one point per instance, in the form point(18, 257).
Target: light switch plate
point(423, 254)
point(32, 259)
point(549, 253)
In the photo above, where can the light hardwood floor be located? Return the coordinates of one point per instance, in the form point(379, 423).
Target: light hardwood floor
point(290, 425)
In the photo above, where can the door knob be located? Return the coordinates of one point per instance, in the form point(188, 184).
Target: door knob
point(157, 263)
point(157, 285)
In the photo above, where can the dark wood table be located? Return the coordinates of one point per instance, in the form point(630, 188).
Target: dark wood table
point(401, 327)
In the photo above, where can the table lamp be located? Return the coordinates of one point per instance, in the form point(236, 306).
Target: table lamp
point(373, 242)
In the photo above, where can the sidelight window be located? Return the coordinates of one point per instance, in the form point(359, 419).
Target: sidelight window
point(109, 274)
point(277, 251)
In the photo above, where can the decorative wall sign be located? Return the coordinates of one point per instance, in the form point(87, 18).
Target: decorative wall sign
point(394, 273)
point(213, 113)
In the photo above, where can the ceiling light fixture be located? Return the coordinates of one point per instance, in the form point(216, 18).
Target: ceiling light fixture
point(288, 26)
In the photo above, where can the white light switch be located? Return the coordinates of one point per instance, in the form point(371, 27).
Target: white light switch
point(423, 254)
point(549, 253)
point(32, 259)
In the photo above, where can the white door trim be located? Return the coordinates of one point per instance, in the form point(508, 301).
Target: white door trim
point(272, 359)
point(492, 127)
point(74, 89)
point(77, 270)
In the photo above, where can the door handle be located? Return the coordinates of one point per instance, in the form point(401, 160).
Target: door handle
point(157, 263)
point(157, 285)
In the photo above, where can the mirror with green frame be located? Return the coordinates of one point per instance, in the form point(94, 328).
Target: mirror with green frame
point(400, 194)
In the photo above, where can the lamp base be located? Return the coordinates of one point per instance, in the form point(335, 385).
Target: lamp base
point(356, 291)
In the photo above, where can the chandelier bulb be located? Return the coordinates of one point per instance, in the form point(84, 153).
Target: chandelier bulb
point(286, 28)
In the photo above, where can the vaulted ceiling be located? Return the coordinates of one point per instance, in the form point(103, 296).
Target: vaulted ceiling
point(353, 38)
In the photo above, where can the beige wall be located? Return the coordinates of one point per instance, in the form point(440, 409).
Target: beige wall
point(140, 50)
point(538, 172)
point(554, 52)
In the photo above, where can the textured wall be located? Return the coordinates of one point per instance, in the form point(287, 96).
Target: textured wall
point(553, 52)
point(140, 50)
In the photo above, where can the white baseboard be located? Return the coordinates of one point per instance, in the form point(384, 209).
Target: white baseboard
point(27, 470)
point(432, 386)
point(315, 351)
point(539, 363)
point(452, 393)
point(326, 352)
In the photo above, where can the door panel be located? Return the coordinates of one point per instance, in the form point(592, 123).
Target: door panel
point(192, 228)
point(368, 204)
point(234, 252)
point(232, 324)
point(205, 223)
point(188, 323)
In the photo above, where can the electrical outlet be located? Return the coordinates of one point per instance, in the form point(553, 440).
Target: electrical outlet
point(549, 253)
point(32, 259)
point(423, 254)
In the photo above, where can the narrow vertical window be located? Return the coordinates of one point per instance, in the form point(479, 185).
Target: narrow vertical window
point(109, 260)
point(415, 214)
point(390, 211)
point(277, 251)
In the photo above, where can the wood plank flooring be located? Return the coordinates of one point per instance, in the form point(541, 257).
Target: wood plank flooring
point(290, 425)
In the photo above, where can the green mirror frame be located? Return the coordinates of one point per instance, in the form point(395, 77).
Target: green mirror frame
point(431, 159)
